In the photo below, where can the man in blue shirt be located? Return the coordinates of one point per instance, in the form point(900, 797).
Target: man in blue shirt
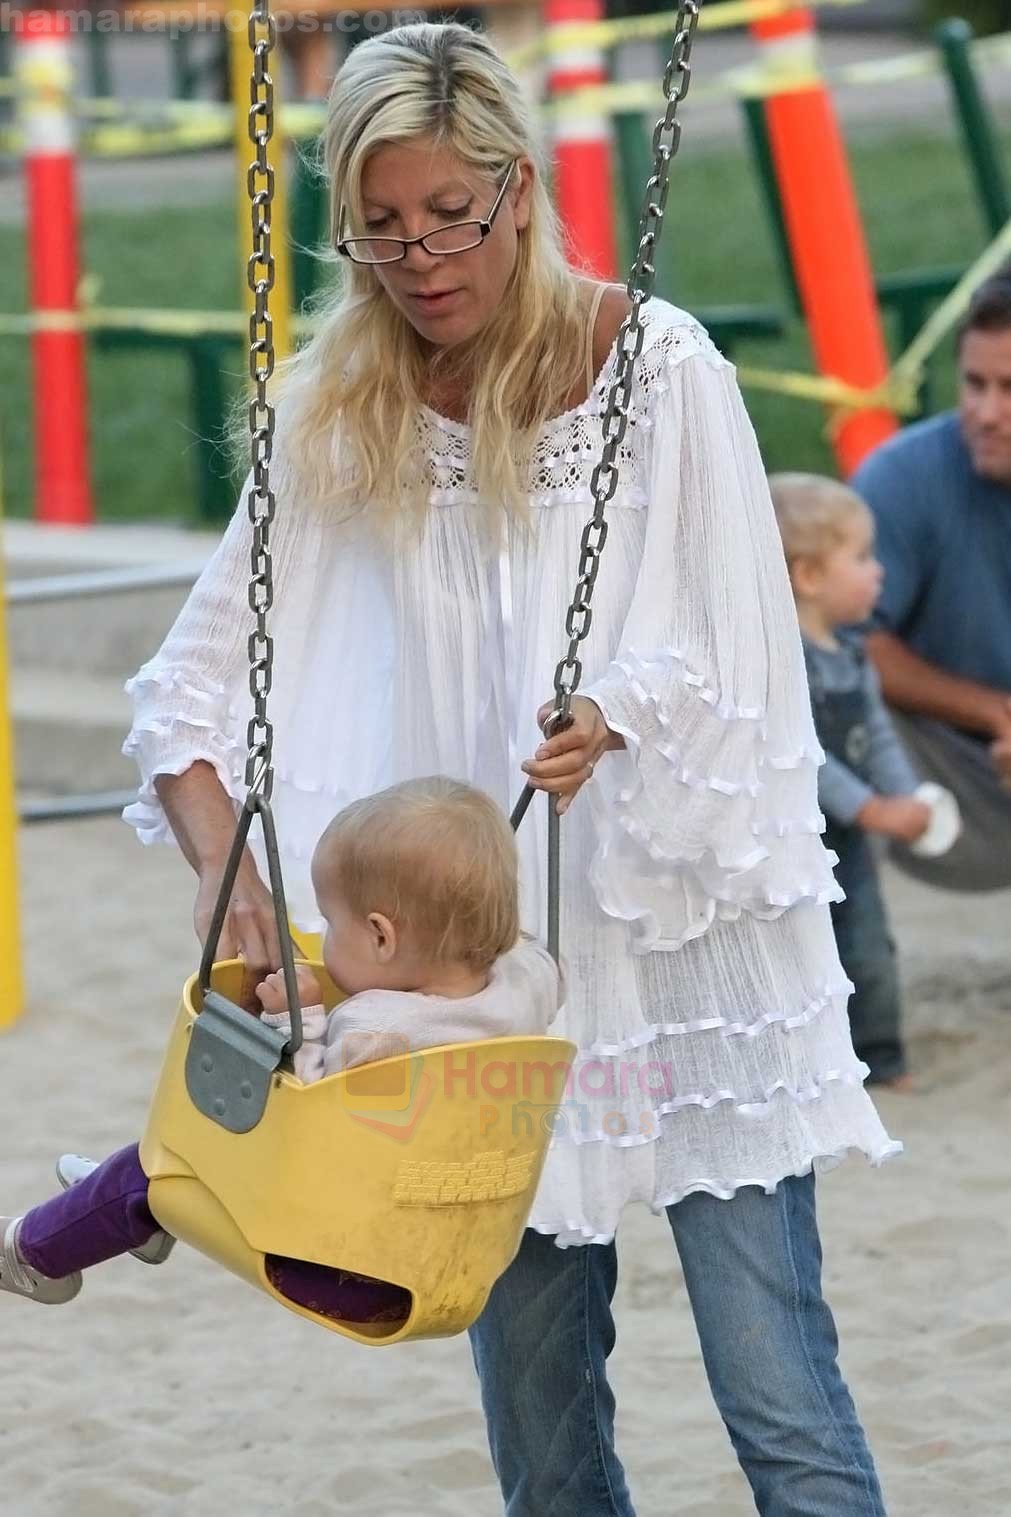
point(941, 635)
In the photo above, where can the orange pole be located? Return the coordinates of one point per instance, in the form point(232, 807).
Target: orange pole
point(584, 189)
point(827, 244)
point(45, 71)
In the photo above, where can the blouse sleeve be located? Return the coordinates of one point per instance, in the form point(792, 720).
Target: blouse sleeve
point(186, 699)
point(711, 809)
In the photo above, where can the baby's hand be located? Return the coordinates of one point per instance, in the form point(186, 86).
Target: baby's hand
point(895, 816)
point(273, 997)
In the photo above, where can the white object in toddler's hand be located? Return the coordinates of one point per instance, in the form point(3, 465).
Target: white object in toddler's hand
point(945, 825)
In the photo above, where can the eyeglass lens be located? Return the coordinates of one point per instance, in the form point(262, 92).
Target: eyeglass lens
point(450, 239)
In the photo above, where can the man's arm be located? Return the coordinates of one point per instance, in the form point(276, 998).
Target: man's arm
point(912, 683)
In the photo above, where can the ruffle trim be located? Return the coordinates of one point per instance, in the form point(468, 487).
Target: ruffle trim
point(637, 669)
point(731, 865)
point(175, 679)
point(147, 814)
point(800, 1095)
point(570, 1233)
point(726, 1025)
point(212, 746)
point(772, 905)
point(720, 868)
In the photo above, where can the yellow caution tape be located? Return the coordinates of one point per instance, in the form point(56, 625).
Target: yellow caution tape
point(122, 131)
point(898, 392)
point(828, 391)
point(759, 81)
point(159, 323)
point(605, 34)
point(908, 369)
point(190, 126)
point(186, 324)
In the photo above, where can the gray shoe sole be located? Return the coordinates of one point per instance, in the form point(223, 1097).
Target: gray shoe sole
point(21, 1280)
point(157, 1248)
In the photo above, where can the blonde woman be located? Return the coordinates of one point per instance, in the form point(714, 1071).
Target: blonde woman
point(434, 447)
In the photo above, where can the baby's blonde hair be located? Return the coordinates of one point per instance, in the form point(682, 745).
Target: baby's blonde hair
point(813, 513)
point(435, 856)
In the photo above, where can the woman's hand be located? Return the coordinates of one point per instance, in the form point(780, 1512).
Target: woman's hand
point(249, 930)
point(563, 763)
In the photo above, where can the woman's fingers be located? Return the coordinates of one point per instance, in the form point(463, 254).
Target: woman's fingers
point(565, 765)
point(561, 784)
point(573, 737)
point(249, 938)
point(271, 942)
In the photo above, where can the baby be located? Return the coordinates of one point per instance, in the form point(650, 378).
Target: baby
point(418, 889)
point(867, 783)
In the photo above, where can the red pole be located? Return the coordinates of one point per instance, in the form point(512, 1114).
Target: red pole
point(826, 237)
point(62, 488)
point(584, 190)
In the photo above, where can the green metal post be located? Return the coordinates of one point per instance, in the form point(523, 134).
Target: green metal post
point(98, 62)
point(635, 165)
point(183, 72)
point(307, 211)
point(215, 491)
point(757, 130)
point(953, 38)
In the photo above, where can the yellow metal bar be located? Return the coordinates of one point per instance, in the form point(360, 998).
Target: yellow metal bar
point(240, 62)
point(11, 981)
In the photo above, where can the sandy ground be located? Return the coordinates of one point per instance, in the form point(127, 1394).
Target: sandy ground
point(179, 1391)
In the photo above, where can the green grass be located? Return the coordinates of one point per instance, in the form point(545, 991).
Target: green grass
point(918, 207)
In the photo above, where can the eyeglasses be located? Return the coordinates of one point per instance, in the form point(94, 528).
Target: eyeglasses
point(457, 237)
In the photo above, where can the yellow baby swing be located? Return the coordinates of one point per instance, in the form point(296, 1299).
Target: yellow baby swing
point(417, 1171)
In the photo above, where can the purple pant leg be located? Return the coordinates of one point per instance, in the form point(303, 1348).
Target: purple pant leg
point(336, 1292)
point(107, 1214)
point(96, 1219)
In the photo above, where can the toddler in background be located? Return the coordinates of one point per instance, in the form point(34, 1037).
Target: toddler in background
point(867, 782)
point(418, 887)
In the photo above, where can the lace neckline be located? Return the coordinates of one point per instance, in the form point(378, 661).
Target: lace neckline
point(463, 429)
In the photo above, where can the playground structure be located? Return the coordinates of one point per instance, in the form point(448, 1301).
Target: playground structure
point(782, 86)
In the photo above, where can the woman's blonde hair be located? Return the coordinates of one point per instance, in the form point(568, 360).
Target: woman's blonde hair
point(435, 856)
point(814, 513)
point(364, 370)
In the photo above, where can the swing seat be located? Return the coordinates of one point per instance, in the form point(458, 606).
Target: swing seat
point(418, 1171)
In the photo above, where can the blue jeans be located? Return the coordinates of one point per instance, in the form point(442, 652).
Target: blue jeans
point(752, 1267)
point(868, 957)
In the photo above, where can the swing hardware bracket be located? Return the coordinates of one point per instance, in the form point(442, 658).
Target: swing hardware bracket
point(230, 1063)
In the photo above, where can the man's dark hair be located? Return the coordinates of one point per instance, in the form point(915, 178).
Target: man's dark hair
point(990, 306)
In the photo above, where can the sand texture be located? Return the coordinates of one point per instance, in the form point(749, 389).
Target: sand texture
point(180, 1391)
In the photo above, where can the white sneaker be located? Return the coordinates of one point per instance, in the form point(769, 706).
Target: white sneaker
point(20, 1280)
point(73, 1167)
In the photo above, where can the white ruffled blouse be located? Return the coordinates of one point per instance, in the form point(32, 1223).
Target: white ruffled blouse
point(705, 991)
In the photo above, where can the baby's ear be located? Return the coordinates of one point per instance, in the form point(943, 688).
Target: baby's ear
point(384, 936)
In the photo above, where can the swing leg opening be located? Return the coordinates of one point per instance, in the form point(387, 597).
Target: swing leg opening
point(340, 1295)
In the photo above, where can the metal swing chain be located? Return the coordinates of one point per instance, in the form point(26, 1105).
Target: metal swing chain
point(604, 479)
point(261, 505)
point(260, 501)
